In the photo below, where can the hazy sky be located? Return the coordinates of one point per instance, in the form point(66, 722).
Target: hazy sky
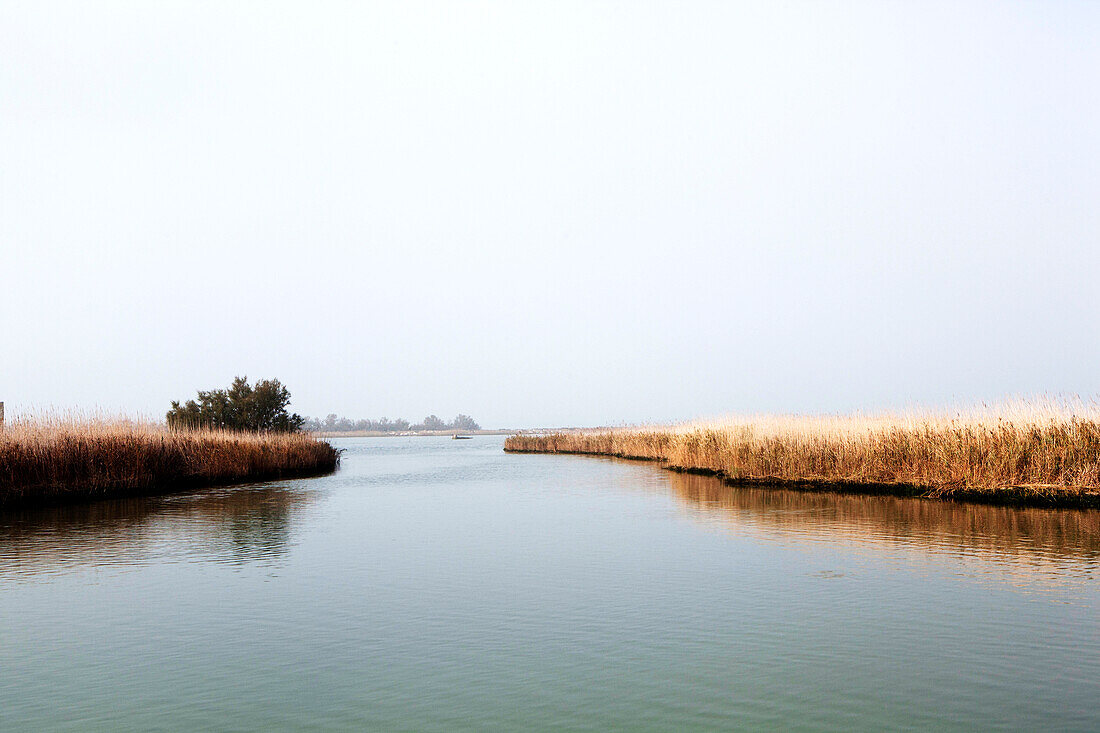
point(549, 213)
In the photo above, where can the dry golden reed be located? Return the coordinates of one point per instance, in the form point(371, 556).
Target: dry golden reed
point(1041, 451)
point(47, 459)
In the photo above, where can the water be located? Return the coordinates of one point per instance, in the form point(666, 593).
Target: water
point(444, 585)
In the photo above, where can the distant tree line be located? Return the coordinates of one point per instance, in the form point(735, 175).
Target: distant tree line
point(243, 406)
point(334, 424)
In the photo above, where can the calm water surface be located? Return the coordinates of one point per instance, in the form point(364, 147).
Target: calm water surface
point(443, 585)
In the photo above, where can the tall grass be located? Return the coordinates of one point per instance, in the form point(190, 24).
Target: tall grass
point(49, 459)
point(1034, 452)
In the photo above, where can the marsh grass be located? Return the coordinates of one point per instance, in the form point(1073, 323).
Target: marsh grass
point(48, 459)
point(1040, 452)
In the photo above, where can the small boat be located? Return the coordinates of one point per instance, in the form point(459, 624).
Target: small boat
point(456, 436)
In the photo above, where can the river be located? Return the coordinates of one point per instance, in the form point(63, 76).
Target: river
point(433, 584)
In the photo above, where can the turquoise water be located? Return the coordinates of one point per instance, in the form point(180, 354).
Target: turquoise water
point(444, 585)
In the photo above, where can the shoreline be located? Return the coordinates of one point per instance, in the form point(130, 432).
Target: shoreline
point(64, 498)
point(655, 446)
point(43, 465)
point(1037, 496)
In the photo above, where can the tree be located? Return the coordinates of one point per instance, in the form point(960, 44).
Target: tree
point(464, 422)
point(333, 423)
point(264, 408)
point(431, 422)
point(241, 407)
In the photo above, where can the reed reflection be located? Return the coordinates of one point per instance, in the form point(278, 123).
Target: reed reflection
point(1020, 536)
point(234, 525)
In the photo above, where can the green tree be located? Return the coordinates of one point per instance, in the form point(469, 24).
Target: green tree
point(241, 407)
point(465, 422)
point(431, 422)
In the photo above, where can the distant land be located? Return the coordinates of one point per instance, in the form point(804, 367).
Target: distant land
point(333, 423)
point(447, 432)
point(399, 433)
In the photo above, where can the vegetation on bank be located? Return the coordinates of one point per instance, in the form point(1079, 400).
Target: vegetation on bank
point(1039, 453)
point(241, 407)
point(52, 460)
point(334, 424)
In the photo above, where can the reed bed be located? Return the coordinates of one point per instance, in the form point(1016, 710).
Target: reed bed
point(51, 459)
point(1038, 452)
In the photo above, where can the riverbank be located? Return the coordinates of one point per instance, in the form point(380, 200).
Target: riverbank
point(56, 461)
point(1022, 454)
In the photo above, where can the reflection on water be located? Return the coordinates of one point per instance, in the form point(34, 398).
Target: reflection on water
point(231, 525)
point(1060, 541)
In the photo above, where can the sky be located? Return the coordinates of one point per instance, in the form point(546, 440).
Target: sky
point(546, 214)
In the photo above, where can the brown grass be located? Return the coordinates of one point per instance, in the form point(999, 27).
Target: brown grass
point(1038, 452)
point(46, 460)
